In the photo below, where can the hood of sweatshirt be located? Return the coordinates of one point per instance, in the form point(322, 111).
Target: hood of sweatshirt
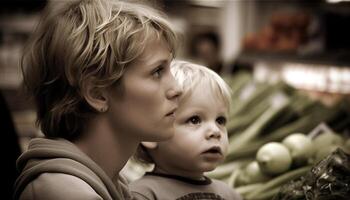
point(61, 156)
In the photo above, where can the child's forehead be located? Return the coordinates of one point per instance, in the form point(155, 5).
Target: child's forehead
point(202, 86)
point(199, 103)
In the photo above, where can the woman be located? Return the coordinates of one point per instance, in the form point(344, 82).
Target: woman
point(99, 73)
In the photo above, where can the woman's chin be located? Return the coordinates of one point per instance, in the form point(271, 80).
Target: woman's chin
point(168, 134)
point(162, 137)
point(165, 138)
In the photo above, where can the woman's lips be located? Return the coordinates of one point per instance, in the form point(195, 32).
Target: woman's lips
point(171, 113)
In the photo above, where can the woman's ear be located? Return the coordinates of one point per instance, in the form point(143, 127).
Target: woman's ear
point(150, 145)
point(96, 97)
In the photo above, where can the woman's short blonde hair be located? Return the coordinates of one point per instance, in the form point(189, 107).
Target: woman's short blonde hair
point(80, 41)
point(189, 76)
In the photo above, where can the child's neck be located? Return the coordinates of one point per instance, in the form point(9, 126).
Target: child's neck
point(187, 174)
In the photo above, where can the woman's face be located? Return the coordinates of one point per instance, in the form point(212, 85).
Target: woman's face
point(143, 105)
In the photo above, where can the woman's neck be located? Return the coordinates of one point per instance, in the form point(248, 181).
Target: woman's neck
point(109, 149)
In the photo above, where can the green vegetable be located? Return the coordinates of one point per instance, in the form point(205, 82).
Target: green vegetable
point(254, 173)
point(255, 128)
point(298, 104)
point(278, 181)
point(300, 147)
point(249, 150)
point(243, 190)
point(328, 139)
point(232, 180)
point(317, 113)
point(225, 170)
point(266, 195)
point(238, 123)
point(238, 81)
point(262, 91)
point(328, 180)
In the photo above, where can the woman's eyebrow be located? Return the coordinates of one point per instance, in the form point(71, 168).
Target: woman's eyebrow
point(157, 61)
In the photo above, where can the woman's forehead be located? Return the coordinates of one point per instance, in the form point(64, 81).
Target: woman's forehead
point(155, 49)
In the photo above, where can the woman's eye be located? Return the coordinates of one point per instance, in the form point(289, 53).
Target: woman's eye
point(194, 120)
point(221, 120)
point(158, 72)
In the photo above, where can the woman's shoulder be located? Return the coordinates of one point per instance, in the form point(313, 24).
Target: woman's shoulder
point(57, 186)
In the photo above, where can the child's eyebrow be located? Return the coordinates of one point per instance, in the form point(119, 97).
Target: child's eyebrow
point(224, 111)
point(190, 112)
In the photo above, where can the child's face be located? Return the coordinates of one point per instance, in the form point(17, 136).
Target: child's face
point(144, 103)
point(200, 141)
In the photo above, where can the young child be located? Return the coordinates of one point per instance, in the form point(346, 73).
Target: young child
point(199, 144)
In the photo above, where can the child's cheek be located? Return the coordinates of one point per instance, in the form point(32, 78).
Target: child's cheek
point(225, 149)
point(225, 145)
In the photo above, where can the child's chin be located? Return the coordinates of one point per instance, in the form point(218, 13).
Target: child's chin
point(209, 168)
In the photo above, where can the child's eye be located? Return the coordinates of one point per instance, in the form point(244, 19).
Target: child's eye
point(194, 120)
point(158, 72)
point(221, 120)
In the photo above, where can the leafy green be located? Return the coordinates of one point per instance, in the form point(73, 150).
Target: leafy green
point(328, 180)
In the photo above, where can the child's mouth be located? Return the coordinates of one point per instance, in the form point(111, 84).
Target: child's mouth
point(214, 150)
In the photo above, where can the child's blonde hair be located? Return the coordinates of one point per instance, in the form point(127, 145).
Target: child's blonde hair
point(189, 76)
point(80, 41)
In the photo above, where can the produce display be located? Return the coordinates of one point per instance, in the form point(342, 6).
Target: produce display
point(300, 147)
point(327, 180)
point(274, 158)
point(272, 141)
point(284, 32)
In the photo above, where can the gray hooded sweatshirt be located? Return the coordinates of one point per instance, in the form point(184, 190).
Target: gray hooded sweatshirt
point(56, 169)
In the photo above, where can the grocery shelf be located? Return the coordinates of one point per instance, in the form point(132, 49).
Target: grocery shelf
point(339, 59)
point(329, 73)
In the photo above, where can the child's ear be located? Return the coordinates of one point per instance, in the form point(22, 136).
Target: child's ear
point(150, 145)
point(96, 97)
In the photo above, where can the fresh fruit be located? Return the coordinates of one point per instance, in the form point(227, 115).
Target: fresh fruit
point(274, 158)
point(325, 144)
point(346, 146)
point(324, 152)
point(254, 173)
point(327, 139)
point(300, 147)
point(251, 174)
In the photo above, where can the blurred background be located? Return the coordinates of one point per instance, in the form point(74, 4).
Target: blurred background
point(300, 48)
point(226, 35)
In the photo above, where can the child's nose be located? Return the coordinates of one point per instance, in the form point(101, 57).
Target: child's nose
point(213, 132)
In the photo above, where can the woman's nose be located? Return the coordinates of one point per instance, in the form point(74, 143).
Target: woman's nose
point(175, 90)
point(174, 93)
